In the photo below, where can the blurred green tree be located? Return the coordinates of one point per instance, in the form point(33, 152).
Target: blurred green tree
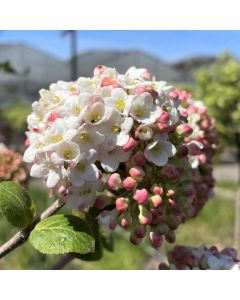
point(219, 86)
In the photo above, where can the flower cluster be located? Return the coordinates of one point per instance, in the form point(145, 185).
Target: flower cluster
point(201, 258)
point(125, 144)
point(11, 165)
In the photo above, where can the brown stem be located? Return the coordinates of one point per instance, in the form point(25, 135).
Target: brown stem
point(22, 236)
point(65, 259)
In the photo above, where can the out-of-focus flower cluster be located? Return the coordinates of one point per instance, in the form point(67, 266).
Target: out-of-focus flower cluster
point(126, 144)
point(11, 165)
point(201, 258)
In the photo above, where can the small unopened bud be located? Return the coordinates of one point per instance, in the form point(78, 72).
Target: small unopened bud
point(173, 95)
point(140, 231)
point(114, 181)
point(121, 204)
point(156, 239)
point(182, 151)
point(27, 142)
point(170, 237)
point(136, 172)
point(131, 144)
point(184, 130)
point(129, 183)
point(170, 193)
point(164, 118)
point(145, 216)
point(126, 220)
point(139, 159)
point(141, 196)
point(170, 171)
point(157, 190)
point(156, 200)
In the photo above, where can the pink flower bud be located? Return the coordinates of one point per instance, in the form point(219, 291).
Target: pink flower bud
point(202, 158)
point(141, 196)
point(194, 148)
point(121, 204)
point(53, 116)
point(170, 193)
point(27, 142)
point(147, 75)
point(63, 191)
point(136, 172)
point(126, 220)
point(164, 118)
point(173, 95)
point(156, 200)
point(163, 126)
point(129, 183)
point(131, 144)
point(184, 130)
point(114, 181)
point(162, 228)
point(156, 239)
point(140, 231)
point(157, 190)
point(205, 124)
point(145, 216)
point(139, 159)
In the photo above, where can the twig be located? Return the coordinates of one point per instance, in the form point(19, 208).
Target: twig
point(22, 236)
point(65, 259)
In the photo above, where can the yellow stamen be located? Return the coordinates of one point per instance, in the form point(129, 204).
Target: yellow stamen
point(95, 118)
point(56, 139)
point(139, 112)
point(38, 145)
point(81, 167)
point(68, 154)
point(120, 104)
point(56, 99)
point(84, 137)
point(77, 110)
point(72, 89)
point(116, 129)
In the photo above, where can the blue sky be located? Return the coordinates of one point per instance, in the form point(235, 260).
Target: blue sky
point(166, 45)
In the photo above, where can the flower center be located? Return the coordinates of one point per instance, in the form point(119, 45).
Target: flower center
point(84, 137)
point(95, 118)
point(119, 104)
point(139, 112)
point(116, 129)
point(68, 154)
point(56, 139)
point(77, 110)
point(81, 166)
point(156, 149)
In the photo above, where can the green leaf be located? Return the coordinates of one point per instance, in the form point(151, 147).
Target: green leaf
point(98, 246)
point(16, 204)
point(108, 241)
point(62, 234)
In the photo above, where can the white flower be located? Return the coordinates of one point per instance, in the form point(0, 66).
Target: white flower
point(115, 130)
point(75, 104)
point(67, 151)
point(160, 150)
point(49, 168)
point(58, 132)
point(120, 100)
point(87, 137)
point(110, 160)
point(143, 110)
point(96, 113)
point(85, 170)
point(144, 132)
point(83, 197)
